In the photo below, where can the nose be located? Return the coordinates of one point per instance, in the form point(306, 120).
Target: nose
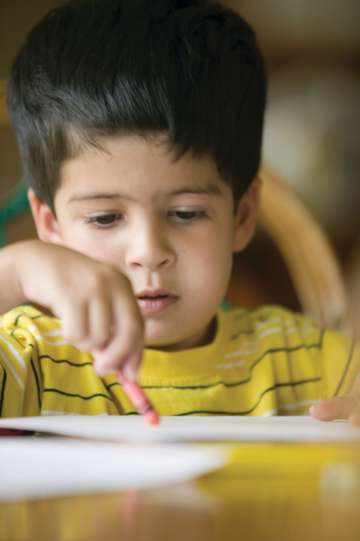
point(149, 247)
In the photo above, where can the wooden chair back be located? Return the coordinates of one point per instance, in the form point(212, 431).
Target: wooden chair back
point(308, 254)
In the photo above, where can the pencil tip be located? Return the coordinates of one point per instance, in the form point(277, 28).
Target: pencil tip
point(152, 418)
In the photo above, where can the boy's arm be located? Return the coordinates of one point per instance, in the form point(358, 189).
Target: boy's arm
point(11, 294)
point(15, 358)
point(95, 302)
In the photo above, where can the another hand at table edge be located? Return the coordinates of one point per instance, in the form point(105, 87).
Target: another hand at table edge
point(346, 408)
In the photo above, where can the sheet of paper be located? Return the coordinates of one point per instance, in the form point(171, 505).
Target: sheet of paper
point(45, 467)
point(191, 429)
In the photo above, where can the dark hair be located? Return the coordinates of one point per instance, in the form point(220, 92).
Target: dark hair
point(93, 68)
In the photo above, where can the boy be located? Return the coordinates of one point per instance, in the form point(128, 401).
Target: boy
point(139, 125)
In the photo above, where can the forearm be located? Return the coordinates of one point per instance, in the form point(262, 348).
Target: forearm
point(11, 293)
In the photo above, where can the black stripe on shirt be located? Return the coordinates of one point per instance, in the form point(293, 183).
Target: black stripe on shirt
point(33, 318)
point(74, 395)
point(109, 385)
point(37, 382)
point(241, 382)
point(13, 335)
point(226, 384)
point(65, 361)
point(247, 412)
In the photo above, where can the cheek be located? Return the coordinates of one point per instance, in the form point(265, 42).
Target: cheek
point(91, 245)
point(209, 266)
point(101, 252)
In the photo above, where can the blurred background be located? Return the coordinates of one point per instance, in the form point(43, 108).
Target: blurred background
point(312, 134)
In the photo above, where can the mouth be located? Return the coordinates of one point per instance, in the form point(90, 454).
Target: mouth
point(155, 301)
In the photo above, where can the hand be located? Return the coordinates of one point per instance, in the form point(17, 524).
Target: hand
point(347, 407)
point(94, 301)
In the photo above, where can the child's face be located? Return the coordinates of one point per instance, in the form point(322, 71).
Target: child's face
point(164, 224)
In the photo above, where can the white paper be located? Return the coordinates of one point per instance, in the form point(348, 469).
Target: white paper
point(191, 429)
point(44, 467)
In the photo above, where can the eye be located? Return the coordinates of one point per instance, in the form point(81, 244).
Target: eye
point(104, 221)
point(186, 216)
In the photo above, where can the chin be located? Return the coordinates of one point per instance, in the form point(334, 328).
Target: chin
point(158, 335)
point(161, 343)
point(164, 341)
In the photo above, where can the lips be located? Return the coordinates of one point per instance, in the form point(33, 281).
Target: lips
point(154, 293)
point(154, 301)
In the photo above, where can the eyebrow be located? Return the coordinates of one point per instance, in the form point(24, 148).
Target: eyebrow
point(209, 189)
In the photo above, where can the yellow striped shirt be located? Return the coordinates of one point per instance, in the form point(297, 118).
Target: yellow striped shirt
point(261, 362)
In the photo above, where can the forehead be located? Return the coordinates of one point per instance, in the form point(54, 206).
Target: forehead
point(138, 166)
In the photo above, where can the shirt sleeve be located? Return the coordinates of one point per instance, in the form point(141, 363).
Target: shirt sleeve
point(20, 378)
point(340, 365)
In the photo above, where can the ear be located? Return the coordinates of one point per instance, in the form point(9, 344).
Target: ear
point(45, 220)
point(246, 216)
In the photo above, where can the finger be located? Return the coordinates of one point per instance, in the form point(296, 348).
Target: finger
point(100, 323)
point(114, 357)
point(334, 408)
point(74, 322)
point(126, 344)
point(355, 417)
point(131, 366)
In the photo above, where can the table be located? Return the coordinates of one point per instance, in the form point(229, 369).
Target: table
point(268, 492)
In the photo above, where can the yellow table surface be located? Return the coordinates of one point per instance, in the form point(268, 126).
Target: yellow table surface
point(267, 492)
